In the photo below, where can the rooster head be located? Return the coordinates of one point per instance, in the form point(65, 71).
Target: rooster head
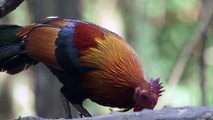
point(147, 98)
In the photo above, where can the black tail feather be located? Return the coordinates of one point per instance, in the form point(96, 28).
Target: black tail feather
point(13, 57)
point(8, 50)
point(17, 63)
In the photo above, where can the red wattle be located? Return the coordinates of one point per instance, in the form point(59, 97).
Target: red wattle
point(137, 108)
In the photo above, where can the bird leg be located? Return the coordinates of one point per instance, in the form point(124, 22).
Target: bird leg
point(66, 105)
point(82, 110)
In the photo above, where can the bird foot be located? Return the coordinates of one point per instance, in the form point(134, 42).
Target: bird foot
point(66, 105)
point(82, 110)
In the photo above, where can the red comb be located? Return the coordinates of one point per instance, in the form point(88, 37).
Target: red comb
point(156, 86)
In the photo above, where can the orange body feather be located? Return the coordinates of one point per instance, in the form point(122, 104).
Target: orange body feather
point(118, 71)
point(41, 45)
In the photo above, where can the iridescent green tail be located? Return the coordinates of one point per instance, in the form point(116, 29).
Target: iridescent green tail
point(13, 57)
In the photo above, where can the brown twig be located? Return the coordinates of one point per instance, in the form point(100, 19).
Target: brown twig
point(202, 68)
point(6, 6)
point(205, 17)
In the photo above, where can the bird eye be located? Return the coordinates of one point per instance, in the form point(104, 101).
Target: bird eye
point(144, 96)
point(146, 99)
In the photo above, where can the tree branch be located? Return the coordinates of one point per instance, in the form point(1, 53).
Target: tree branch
point(204, 21)
point(180, 113)
point(202, 68)
point(6, 6)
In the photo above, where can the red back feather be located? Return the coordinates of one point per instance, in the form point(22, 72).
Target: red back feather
point(85, 34)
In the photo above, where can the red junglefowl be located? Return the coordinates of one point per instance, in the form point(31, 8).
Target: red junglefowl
point(90, 61)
